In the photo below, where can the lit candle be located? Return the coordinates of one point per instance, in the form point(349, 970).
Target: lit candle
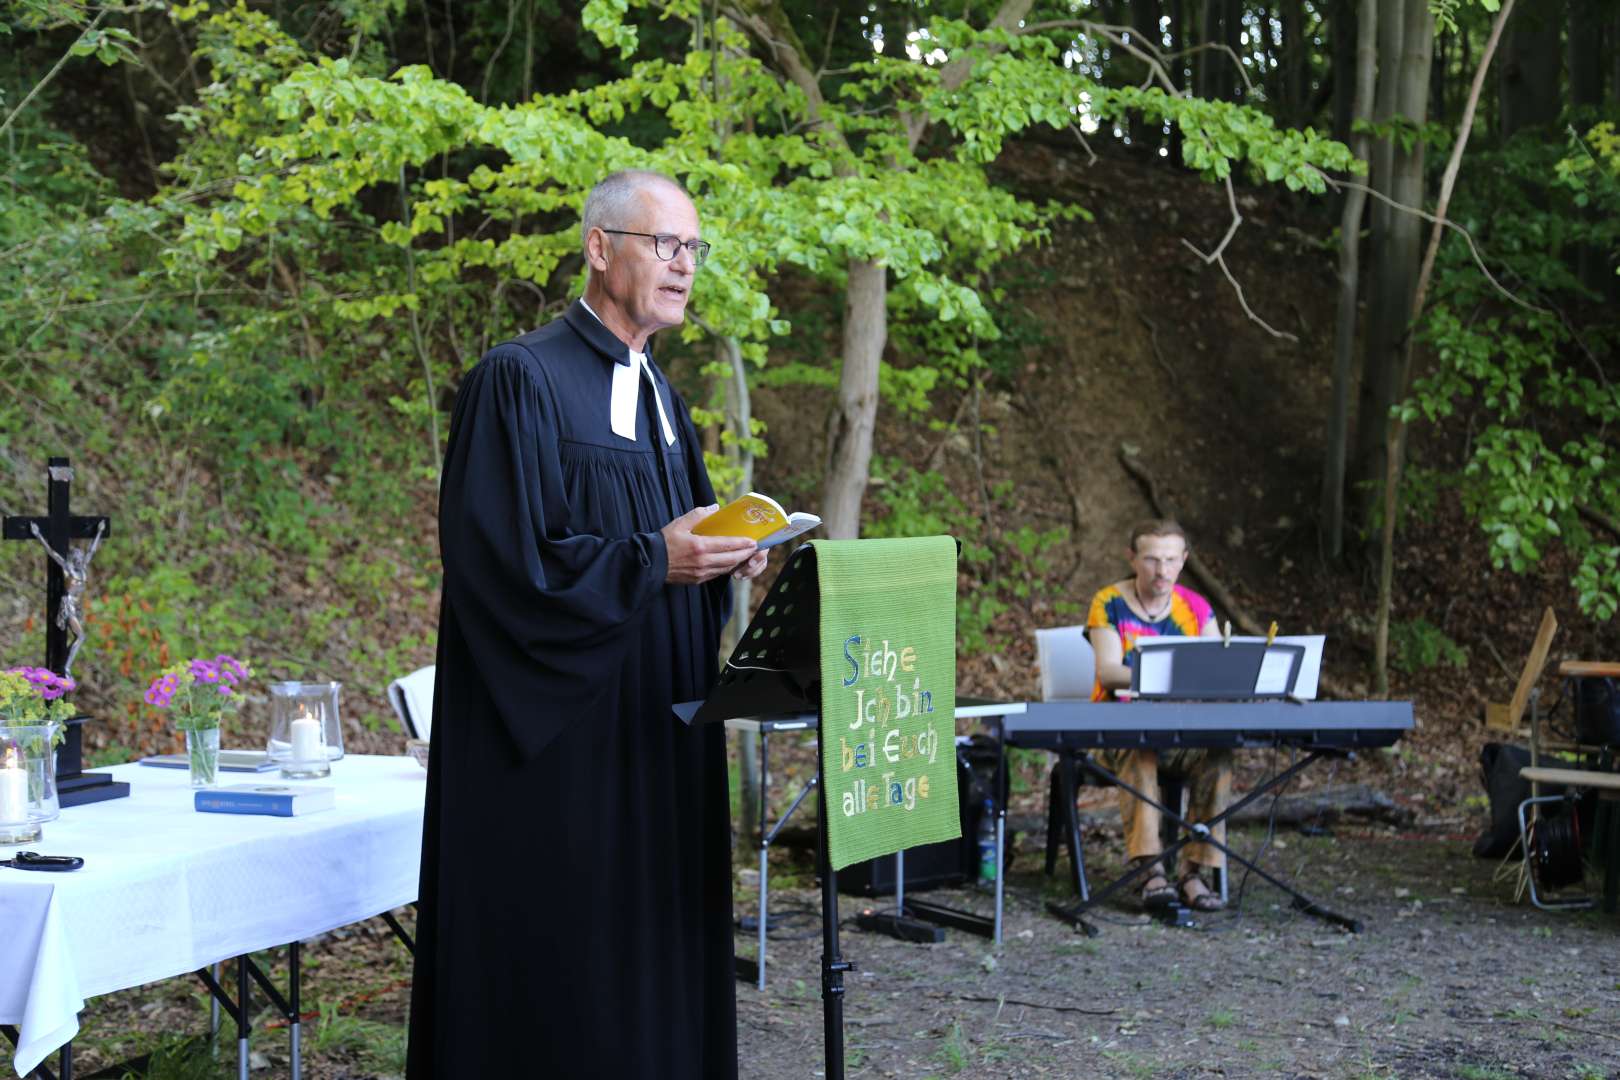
point(13, 789)
point(306, 738)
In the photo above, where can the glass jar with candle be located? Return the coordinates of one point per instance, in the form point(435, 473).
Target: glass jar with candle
point(314, 697)
point(27, 781)
point(299, 721)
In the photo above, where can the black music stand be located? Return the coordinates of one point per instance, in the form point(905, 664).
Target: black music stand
point(1206, 670)
point(1203, 670)
point(776, 670)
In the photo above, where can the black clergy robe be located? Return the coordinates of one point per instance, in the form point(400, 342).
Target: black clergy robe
point(575, 912)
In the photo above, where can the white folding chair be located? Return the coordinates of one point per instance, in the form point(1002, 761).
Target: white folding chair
point(1068, 666)
point(1068, 672)
point(412, 698)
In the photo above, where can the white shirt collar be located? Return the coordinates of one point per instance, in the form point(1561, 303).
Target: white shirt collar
point(627, 392)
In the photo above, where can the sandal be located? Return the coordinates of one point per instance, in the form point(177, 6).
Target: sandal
point(1157, 892)
point(1198, 896)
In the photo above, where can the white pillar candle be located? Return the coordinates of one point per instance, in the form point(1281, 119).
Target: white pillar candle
point(306, 740)
point(13, 790)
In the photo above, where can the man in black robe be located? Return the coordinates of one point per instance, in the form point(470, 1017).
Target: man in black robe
point(575, 912)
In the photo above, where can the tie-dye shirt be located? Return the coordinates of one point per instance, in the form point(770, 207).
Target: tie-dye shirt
point(1189, 614)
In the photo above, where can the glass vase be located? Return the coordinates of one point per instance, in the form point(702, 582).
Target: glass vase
point(202, 755)
point(27, 781)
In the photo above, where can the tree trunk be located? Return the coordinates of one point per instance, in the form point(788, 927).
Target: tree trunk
point(1367, 462)
point(849, 436)
point(1178, 71)
point(1216, 66)
point(1437, 79)
point(1397, 427)
point(1345, 60)
point(1344, 338)
point(1531, 64)
point(1231, 27)
point(1295, 62)
point(1614, 74)
point(1145, 134)
point(739, 417)
point(1586, 61)
point(1586, 52)
point(1397, 281)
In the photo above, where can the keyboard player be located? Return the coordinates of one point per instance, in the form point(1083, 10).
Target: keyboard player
point(1150, 603)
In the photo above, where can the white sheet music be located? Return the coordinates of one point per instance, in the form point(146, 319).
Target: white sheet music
point(1275, 667)
point(1154, 667)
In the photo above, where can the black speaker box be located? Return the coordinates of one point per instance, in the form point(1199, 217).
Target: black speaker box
point(950, 862)
point(1597, 711)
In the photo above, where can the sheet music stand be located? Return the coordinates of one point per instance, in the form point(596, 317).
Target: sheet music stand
point(1202, 669)
point(775, 670)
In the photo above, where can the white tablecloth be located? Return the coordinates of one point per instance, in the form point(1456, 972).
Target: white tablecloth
point(166, 890)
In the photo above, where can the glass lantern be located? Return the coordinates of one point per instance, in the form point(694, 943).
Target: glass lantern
point(27, 781)
point(290, 695)
point(305, 737)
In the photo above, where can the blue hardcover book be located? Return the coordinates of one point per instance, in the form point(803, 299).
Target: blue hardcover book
point(276, 800)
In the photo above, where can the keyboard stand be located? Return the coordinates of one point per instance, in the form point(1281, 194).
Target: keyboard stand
point(1074, 914)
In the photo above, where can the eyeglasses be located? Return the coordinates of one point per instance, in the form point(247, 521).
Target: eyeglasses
point(665, 245)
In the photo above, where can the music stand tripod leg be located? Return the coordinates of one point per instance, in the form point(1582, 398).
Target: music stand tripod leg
point(764, 851)
point(833, 965)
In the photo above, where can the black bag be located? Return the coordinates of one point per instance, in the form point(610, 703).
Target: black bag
point(1499, 765)
point(1597, 711)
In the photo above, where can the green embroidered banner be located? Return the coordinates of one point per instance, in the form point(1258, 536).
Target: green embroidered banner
point(888, 694)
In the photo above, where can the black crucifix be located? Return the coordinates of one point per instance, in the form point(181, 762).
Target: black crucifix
point(56, 531)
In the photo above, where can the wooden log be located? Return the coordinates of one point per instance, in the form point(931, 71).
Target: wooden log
point(1326, 806)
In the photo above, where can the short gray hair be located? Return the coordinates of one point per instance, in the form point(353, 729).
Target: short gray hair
point(613, 199)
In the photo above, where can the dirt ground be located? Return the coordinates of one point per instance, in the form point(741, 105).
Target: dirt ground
point(1450, 979)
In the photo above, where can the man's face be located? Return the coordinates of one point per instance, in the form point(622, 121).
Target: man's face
point(648, 293)
point(1157, 561)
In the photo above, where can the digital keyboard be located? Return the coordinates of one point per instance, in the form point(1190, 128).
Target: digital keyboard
point(1157, 725)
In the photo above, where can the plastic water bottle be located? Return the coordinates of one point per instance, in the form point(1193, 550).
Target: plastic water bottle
point(987, 841)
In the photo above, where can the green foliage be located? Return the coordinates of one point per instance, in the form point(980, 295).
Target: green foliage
point(1434, 135)
point(1536, 391)
point(180, 1057)
point(1417, 645)
point(1219, 135)
point(379, 1046)
point(1010, 566)
point(1445, 11)
point(336, 237)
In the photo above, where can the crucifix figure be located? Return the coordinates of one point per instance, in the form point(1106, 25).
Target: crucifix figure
point(75, 572)
point(66, 575)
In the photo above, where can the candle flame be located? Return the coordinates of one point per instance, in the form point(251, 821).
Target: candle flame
point(11, 758)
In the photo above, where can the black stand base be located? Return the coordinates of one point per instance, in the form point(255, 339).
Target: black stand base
point(747, 969)
point(899, 926)
point(1175, 915)
point(89, 787)
point(1070, 913)
point(955, 918)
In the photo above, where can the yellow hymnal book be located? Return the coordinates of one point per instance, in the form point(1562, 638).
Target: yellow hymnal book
point(758, 517)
